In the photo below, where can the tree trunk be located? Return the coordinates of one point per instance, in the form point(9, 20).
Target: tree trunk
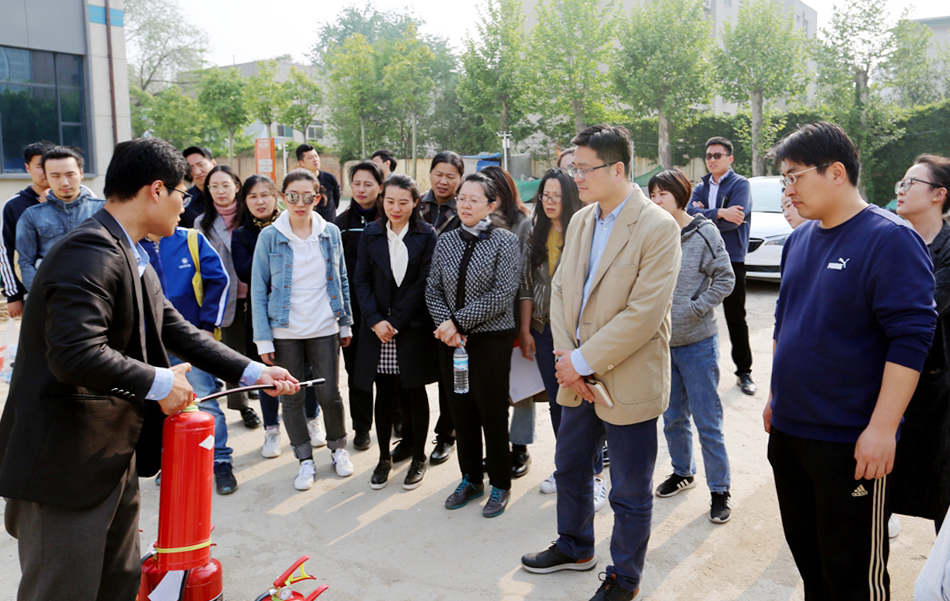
point(665, 149)
point(415, 174)
point(577, 106)
point(503, 118)
point(758, 159)
point(363, 136)
point(230, 146)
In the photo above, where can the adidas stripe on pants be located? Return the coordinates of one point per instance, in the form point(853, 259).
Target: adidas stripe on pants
point(835, 525)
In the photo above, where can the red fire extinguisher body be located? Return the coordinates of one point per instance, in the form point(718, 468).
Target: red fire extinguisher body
point(184, 518)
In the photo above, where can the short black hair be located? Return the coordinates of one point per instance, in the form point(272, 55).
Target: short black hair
point(819, 145)
point(138, 163)
point(197, 150)
point(303, 148)
point(939, 174)
point(675, 182)
point(62, 152)
point(488, 185)
point(388, 157)
point(610, 142)
point(36, 149)
point(451, 158)
point(720, 141)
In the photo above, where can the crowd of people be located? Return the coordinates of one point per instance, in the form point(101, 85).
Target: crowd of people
point(399, 280)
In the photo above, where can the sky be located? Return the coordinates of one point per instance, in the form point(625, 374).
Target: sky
point(242, 31)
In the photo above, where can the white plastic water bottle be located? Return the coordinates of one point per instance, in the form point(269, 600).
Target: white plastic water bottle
point(460, 365)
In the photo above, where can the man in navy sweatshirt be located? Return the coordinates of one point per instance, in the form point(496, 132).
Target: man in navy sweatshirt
point(13, 288)
point(854, 321)
point(723, 197)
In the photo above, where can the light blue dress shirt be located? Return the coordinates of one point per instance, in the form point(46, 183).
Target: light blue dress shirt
point(164, 377)
point(598, 243)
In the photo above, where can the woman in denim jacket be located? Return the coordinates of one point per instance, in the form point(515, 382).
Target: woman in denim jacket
point(301, 313)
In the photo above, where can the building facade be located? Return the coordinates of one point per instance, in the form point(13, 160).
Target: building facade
point(62, 79)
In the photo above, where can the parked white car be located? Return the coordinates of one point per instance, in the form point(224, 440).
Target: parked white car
point(768, 232)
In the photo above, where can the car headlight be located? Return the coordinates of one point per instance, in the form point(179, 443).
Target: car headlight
point(775, 241)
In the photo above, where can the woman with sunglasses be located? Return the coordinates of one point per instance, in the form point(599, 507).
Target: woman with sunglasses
point(302, 315)
point(471, 296)
point(216, 223)
point(920, 482)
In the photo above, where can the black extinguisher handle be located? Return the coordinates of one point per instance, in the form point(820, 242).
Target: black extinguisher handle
point(313, 382)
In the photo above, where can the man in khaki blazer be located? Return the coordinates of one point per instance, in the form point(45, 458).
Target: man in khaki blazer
point(610, 316)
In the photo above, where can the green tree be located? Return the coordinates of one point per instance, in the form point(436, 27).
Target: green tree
point(849, 55)
point(409, 85)
point(160, 44)
point(492, 83)
point(569, 46)
point(177, 118)
point(265, 97)
point(355, 85)
point(303, 98)
point(372, 24)
point(661, 65)
point(221, 95)
point(914, 77)
point(761, 58)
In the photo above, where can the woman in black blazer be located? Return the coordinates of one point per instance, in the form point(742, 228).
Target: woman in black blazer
point(396, 348)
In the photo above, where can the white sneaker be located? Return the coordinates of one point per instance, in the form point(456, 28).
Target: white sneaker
point(600, 494)
point(318, 433)
point(549, 486)
point(342, 462)
point(893, 526)
point(271, 446)
point(306, 475)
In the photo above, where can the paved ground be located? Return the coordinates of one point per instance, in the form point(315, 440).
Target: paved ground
point(400, 545)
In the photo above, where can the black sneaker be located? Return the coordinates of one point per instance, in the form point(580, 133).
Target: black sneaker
point(746, 384)
point(465, 492)
point(224, 479)
point(443, 450)
point(553, 560)
point(381, 475)
point(415, 475)
point(250, 418)
point(520, 462)
point(402, 452)
point(610, 590)
point(497, 502)
point(361, 441)
point(719, 510)
point(675, 484)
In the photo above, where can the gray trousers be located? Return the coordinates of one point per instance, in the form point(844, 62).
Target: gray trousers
point(323, 357)
point(69, 554)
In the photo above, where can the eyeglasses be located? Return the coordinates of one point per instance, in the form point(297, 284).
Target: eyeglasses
point(716, 155)
point(470, 201)
point(789, 179)
point(581, 174)
point(307, 199)
point(903, 186)
point(550, 198)
point(185, 197)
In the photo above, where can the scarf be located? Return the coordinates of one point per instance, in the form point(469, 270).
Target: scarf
point(228, 213)
point(262, 223)
point(398, 252)
point(478, 228)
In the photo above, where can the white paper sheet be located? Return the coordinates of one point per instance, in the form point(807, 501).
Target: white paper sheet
point(525, 380)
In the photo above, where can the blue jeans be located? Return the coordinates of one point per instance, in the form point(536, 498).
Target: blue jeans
point(544, 343)
point(204, 384)
point(632, 458)
point(694, 384)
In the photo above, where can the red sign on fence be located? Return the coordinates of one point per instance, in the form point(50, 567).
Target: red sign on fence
point(265, 157)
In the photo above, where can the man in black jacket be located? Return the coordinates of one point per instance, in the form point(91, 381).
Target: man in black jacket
point(83, 419)
point(13, 288)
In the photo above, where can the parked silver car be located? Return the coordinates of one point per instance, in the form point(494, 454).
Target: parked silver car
point(768, 232)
